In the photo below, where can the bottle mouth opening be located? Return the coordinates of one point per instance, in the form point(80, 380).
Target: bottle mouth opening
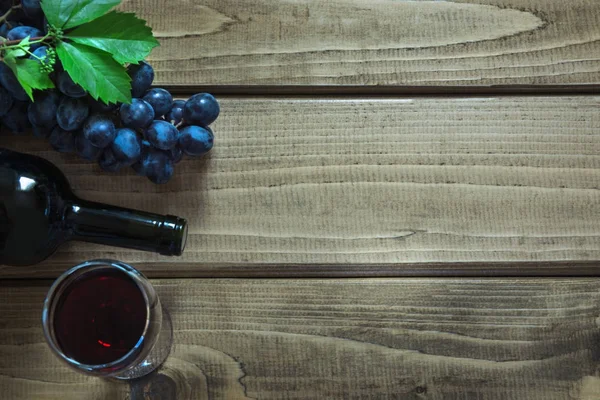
point(185, 235)
point(176, 236)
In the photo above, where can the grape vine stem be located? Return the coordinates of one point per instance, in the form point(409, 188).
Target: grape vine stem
point(11, 43)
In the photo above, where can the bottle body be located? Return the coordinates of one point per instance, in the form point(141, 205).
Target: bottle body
point(32, 196)
point(39, 212)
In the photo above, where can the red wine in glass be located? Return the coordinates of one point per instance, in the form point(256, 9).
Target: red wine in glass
point(104, 318)
point(100, 317)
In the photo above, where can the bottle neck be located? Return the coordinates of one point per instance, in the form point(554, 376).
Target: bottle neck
point(115, 226)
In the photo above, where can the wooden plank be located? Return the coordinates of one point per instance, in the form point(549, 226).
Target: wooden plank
point(331, 339)
point(383, 42)
point(302, 183)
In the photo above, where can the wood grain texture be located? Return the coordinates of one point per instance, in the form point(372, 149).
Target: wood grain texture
point(382, 42)
point(335, 182)
point(442, 339)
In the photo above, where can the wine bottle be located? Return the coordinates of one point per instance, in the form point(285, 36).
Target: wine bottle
point(39, 212)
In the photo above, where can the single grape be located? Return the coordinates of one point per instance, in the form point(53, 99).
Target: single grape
point(31, 7)
point(99, 130)
point(71, 113)
point(201, 109)
point(16, 118)
point(127, 146)
point(62, 141)
point(137, 115)
point(162, 135)
point(40, 52)
point(142, 76)
point(108, 161)
point(68, 87)
point(85, 149)
point(6, 101)
point(157, 166)
point(42, 112)
point(160, 100)
point(196, 140)
point(175, 115)
point(10, 83)
point(21, 32)
point(100, 106)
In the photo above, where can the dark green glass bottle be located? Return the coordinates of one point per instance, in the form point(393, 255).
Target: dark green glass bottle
point(39, 212)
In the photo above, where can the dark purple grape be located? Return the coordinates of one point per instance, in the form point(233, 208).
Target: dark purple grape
point(201, 109)
point(62, 141)
point(160, 100)
point(175, 115)
point(142, 76)
point(32, 7)
point(68, 87)
point(99, 130)
point(16, 118)
point(157, 166)
point(162, 135)
point(127, 146)
point(108, 162)
point(85, 149)
point(137, 115)
point(42, 112)
point(6, 101)
point(196, 140)
point(10, 83)
point(71, 113)
point(40, 52)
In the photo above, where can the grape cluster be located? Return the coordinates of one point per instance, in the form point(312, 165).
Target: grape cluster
point(151, 134)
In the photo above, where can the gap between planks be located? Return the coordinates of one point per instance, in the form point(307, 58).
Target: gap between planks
point(376, 91)
point(517, 269)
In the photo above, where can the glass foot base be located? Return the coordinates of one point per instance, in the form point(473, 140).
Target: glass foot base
point(157, 356)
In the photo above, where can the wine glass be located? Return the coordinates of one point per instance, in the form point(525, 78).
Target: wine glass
point(104, 318)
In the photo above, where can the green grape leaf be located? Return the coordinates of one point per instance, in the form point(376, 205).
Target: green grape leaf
point(96, 71)
point(17, 52)
point(67, 14)
point(10, 58)
point(123, 35)
point(25, 44)
point(29, 73)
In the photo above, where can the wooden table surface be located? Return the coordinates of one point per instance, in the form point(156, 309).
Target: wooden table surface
point(403, 202)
